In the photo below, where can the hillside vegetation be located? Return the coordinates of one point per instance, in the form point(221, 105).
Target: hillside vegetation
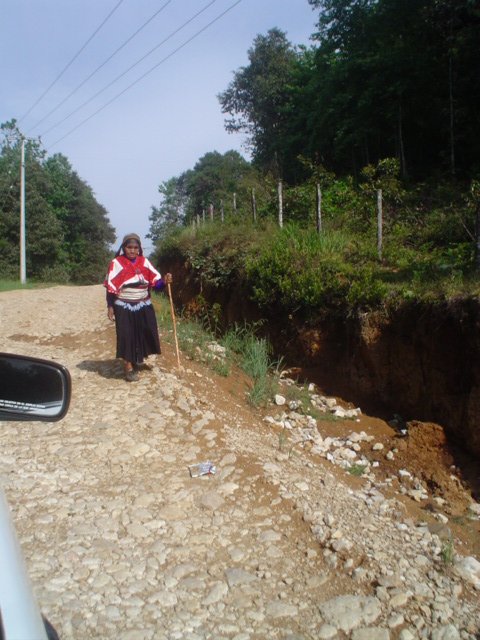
point(385, 99)
point(427, 253)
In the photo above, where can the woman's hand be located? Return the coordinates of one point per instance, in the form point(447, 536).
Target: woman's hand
point(110, 314)
point(167, 278)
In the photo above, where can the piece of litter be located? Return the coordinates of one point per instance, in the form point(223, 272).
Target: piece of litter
point(201, 469)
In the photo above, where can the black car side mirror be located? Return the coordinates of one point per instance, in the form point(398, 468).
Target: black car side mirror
point(33, 389)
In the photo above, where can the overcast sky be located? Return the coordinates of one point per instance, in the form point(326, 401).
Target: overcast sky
point(128, 144)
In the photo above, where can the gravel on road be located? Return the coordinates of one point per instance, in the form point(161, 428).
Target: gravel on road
point(121, 542)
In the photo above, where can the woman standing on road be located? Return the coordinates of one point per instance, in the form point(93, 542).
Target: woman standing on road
point(130, 277)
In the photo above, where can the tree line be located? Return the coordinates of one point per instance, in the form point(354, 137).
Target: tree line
point(68, 232)
point(389, 90)
point(386, 78)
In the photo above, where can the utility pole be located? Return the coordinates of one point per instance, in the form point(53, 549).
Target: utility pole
point(23, 253)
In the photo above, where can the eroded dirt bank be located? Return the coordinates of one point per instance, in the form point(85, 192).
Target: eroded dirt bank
point(420, 364)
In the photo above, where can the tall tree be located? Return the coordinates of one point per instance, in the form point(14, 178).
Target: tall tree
point(257, 95)
point(171, 212)
point(397, 75)
point(86, 229)
point(216, 177)
point(214, 180)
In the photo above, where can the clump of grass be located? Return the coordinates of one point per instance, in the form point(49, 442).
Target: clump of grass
point(253, 355)
point(356, 469)
point(257, 364)
point(447, 551)
point(458, 519)
point(162, 312)
point(471, 515)
point(242, 348)
point(329, 417)
point(299, 394)
point(192, 339)
point(282, 438)
point(221, 367)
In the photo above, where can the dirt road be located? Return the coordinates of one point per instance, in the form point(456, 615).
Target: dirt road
point(121, 542)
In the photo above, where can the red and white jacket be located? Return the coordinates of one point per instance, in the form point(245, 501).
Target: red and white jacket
point(137, 276)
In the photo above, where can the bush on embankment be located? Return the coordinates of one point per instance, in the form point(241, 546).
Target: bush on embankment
point(427, 252)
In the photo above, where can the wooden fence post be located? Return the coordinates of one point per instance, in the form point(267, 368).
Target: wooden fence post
point(280, 204)
point(210, 208)
point(234, 204)
point(379, 223)
point(254, 207)
point(221, 210)
point(319, 210)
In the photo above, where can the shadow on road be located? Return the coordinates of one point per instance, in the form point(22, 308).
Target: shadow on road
point(111, 369)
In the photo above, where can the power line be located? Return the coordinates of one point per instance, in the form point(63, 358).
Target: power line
point(149, 71)
point(84, 104)
point(102, 65)
point(71, 61)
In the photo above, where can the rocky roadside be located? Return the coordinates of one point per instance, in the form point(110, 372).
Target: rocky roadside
point(121, 541)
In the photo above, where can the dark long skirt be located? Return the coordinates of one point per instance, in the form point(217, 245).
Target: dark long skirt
point(137, 331)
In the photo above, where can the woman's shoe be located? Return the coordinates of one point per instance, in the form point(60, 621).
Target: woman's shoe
point(131, 376)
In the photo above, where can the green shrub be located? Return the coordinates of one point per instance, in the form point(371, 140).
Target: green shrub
point(297, 268)
point(366, 290)
point(427, 247)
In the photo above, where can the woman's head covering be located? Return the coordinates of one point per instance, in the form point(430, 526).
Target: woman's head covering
point(129, 238)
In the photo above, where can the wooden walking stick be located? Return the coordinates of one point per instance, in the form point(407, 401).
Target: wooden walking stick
point(174, 330)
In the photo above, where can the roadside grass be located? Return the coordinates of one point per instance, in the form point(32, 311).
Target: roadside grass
point(355, 469)
point(238, 347)
point(447, 552)
point(283, 440)
point(253, 355)
point(12, 285)
point(295, 392)
point(299, 399)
